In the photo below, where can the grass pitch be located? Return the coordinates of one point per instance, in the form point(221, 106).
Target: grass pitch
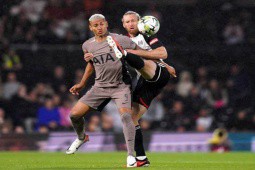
point(117, 160)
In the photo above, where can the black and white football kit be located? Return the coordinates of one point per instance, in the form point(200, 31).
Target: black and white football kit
point(146, 90)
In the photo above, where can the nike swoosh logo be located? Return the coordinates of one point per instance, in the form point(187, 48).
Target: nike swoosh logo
point(140, 163)
point(132, 164)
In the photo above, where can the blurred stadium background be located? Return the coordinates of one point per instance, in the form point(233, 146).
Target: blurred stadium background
point(210, 43)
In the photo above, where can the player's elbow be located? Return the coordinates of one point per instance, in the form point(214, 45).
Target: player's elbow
point(90, 72)
point(164, 55)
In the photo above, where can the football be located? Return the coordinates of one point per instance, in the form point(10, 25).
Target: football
point(148, 25)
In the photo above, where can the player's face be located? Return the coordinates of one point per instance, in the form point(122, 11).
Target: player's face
point(130, 23)
point(99, 27)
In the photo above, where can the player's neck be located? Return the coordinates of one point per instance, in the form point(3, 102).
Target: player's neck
point(132, 35)
point(101, 38)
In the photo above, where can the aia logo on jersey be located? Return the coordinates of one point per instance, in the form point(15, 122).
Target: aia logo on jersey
point(154, 40)
point(104, 58)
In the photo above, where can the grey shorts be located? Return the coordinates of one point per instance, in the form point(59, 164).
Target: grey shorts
point(98, 97)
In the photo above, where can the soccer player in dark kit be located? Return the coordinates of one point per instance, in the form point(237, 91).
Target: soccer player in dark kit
point(146, 90)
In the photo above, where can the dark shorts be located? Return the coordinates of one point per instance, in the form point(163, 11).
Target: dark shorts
point(145, 91)
point(98, 97)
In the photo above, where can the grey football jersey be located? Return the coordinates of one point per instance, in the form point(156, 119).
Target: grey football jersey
point(110, 71)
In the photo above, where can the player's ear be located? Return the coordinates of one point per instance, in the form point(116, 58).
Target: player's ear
point(106, 23)
point(90, 27)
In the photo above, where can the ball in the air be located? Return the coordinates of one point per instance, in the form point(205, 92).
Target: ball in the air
point(148, 25)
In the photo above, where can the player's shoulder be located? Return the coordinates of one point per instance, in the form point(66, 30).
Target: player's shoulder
point(146, 37)
point(115, 35)
point(91, 40)
point(151, 39)
point(87, 42)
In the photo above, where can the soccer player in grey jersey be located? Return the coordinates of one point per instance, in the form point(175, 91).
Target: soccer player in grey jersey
point(155, 75)
point(147, 68)
point(112, 82)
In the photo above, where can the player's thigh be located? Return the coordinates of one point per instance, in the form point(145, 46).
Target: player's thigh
point(143, 93)
point(122, 98)
point(80, 109)
point(149, 69)
point(96, 98)
point(163, 78)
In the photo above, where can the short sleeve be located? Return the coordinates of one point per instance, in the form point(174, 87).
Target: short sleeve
point(153, 41)
point(84, 47)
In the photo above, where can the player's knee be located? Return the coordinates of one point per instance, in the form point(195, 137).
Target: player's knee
point(73, 116)
point(134, 117)
point(136, 122)
point(134, 61)
point(76, 113)
point(126, 117)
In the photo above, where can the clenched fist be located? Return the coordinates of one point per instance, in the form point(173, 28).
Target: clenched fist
point(88, 56)
point(76, 89)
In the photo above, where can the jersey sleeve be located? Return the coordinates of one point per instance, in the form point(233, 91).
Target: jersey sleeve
point(85, 50)
point(126, 42)
point(153, 41)
point(84, 47)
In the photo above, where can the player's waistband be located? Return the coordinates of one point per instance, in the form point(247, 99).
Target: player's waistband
point(110, 85)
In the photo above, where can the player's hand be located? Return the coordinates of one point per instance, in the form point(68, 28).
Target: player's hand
point(88, 56)
point(76, 89)
point(170, 69)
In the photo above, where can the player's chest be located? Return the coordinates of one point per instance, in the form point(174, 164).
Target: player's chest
point(105, 59)
point(99, 48)
point(141, 42)
point(103, 54)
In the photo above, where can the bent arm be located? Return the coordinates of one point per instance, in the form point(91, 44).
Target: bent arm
point(155, 54)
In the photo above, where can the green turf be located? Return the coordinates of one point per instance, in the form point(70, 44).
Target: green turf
point(116, 160)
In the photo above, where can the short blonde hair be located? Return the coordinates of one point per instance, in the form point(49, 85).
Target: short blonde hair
point(131, 13)
point(96, 16)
